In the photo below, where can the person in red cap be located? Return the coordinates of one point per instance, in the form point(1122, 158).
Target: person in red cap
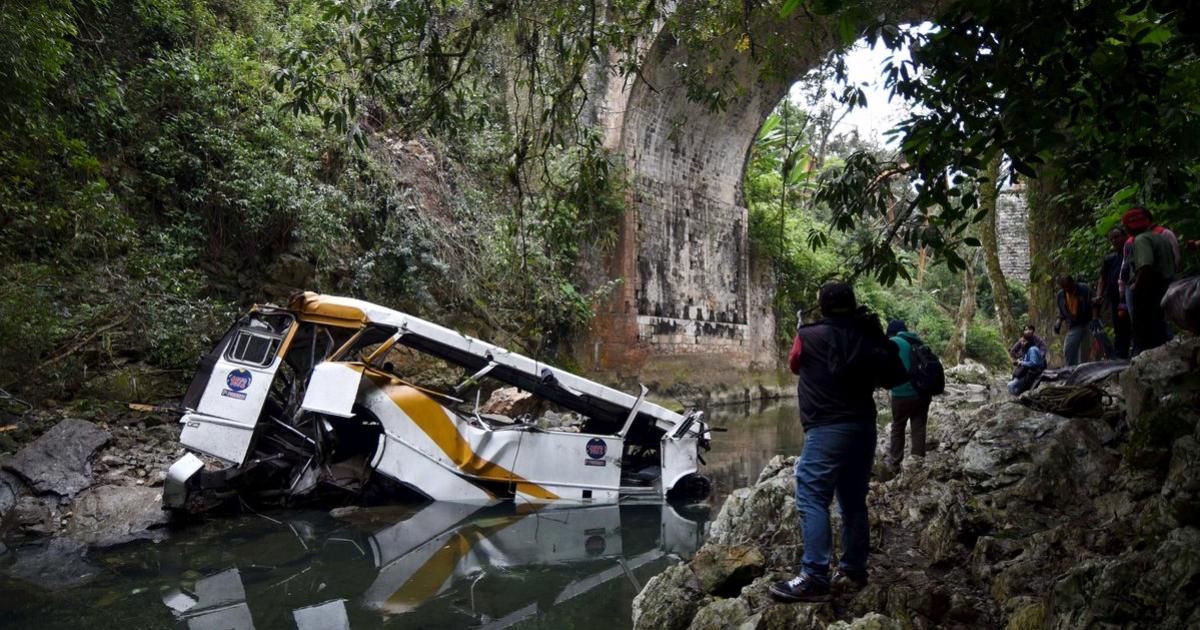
point(1143, 216)
point(1152, 268)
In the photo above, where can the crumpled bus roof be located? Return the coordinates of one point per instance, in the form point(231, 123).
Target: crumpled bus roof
point(563, 388)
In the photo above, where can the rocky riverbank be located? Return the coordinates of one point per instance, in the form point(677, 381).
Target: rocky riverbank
point(84, 483)
point(1016, 519)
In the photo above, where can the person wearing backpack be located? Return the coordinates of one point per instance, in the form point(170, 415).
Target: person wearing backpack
point(910, 406)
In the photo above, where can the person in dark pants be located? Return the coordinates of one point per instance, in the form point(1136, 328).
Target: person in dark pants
point(840, 359)
point(1074, 310)
point(908, 406)
point(1153, 264)
point(1109, 292)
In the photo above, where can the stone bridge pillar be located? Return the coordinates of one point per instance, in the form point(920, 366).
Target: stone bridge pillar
point(692, 291)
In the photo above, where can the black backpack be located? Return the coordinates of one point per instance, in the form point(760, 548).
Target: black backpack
point(925, 371)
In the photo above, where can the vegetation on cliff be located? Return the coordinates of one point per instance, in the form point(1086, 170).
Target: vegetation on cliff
point(154, 180)
point(165, 161)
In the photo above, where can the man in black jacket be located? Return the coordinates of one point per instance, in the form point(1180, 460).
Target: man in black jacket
point(840, 359)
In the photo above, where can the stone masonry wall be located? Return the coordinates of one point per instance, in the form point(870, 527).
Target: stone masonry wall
point(689, 286)
point(1012, 233)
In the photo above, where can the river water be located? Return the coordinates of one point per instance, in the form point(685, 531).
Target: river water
point(434, 566)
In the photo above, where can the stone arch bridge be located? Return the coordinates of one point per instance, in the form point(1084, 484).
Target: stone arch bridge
point(692, 292)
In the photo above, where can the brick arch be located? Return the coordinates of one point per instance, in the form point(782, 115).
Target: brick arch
point(691, 288)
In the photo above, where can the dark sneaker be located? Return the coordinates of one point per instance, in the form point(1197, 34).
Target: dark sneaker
point(802, 588)
point(848, 581)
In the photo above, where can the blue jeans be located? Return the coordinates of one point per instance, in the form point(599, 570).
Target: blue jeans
point(1074, 343)
point(837, 459)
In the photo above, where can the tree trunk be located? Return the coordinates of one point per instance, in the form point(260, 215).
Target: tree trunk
point(991, 252)
point(957, 348)
point(1048, 226)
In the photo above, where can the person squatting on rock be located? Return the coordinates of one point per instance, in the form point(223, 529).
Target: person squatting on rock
point(1029, 366)
point(1075, 310)
point(1108, 291)
point(1153, 261)
point(1028, 336)
point(840, 360)
point(908, 405)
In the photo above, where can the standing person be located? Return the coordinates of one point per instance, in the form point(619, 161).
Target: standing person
point(840, 359)
point(1141, 215)
point(1109, 292)
point(908, 405)
point(1075, 310)
point(1028, 336)
point(1153, 268)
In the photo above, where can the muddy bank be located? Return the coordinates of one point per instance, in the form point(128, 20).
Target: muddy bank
point(1017, 519)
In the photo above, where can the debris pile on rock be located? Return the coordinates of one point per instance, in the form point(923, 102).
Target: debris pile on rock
point(1018, 518)
point(516, 404)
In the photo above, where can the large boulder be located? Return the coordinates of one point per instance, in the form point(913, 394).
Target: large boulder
point(763, 514)
point(59, 460)
point(1181, 489)
point(1045, 457)
point(110, 515)
point(1162, 401)
point(511, 402)
point(1155, 588)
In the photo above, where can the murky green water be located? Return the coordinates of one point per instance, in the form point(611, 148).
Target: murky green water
point(434, 566)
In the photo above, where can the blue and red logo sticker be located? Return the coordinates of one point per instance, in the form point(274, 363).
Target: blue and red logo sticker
point(237, 381)
point(596, 450)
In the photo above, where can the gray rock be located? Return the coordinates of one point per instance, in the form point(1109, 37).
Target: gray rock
point(1048, 458)
point(870, 621)
point(764, 514)
point(790, 617)
point(968, 372)
point(10, 489)
point(1162, 401)
point(1182, 485)
point(721, 614)
point(1147, 589)
point(110, 515)
point(668, 601)
point(779, 465)
point(291, 271)
point(511, 402)
point(723, 570)
point(55, 565)
point(58, 460)
point(33, 516)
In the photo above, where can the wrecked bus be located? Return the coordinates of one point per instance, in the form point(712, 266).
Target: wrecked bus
point(300, 402)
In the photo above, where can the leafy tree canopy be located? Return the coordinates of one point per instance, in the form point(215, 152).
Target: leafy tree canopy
point(1101, 93)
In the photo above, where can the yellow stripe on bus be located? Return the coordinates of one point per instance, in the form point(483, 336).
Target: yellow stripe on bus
point(427, 414)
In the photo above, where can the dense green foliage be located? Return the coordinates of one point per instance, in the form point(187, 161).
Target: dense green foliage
point(164, 162)
point(790, 227)
point(155, 180)
point(1100, 96)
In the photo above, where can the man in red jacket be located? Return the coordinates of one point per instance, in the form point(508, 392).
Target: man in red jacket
point(840, 360)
